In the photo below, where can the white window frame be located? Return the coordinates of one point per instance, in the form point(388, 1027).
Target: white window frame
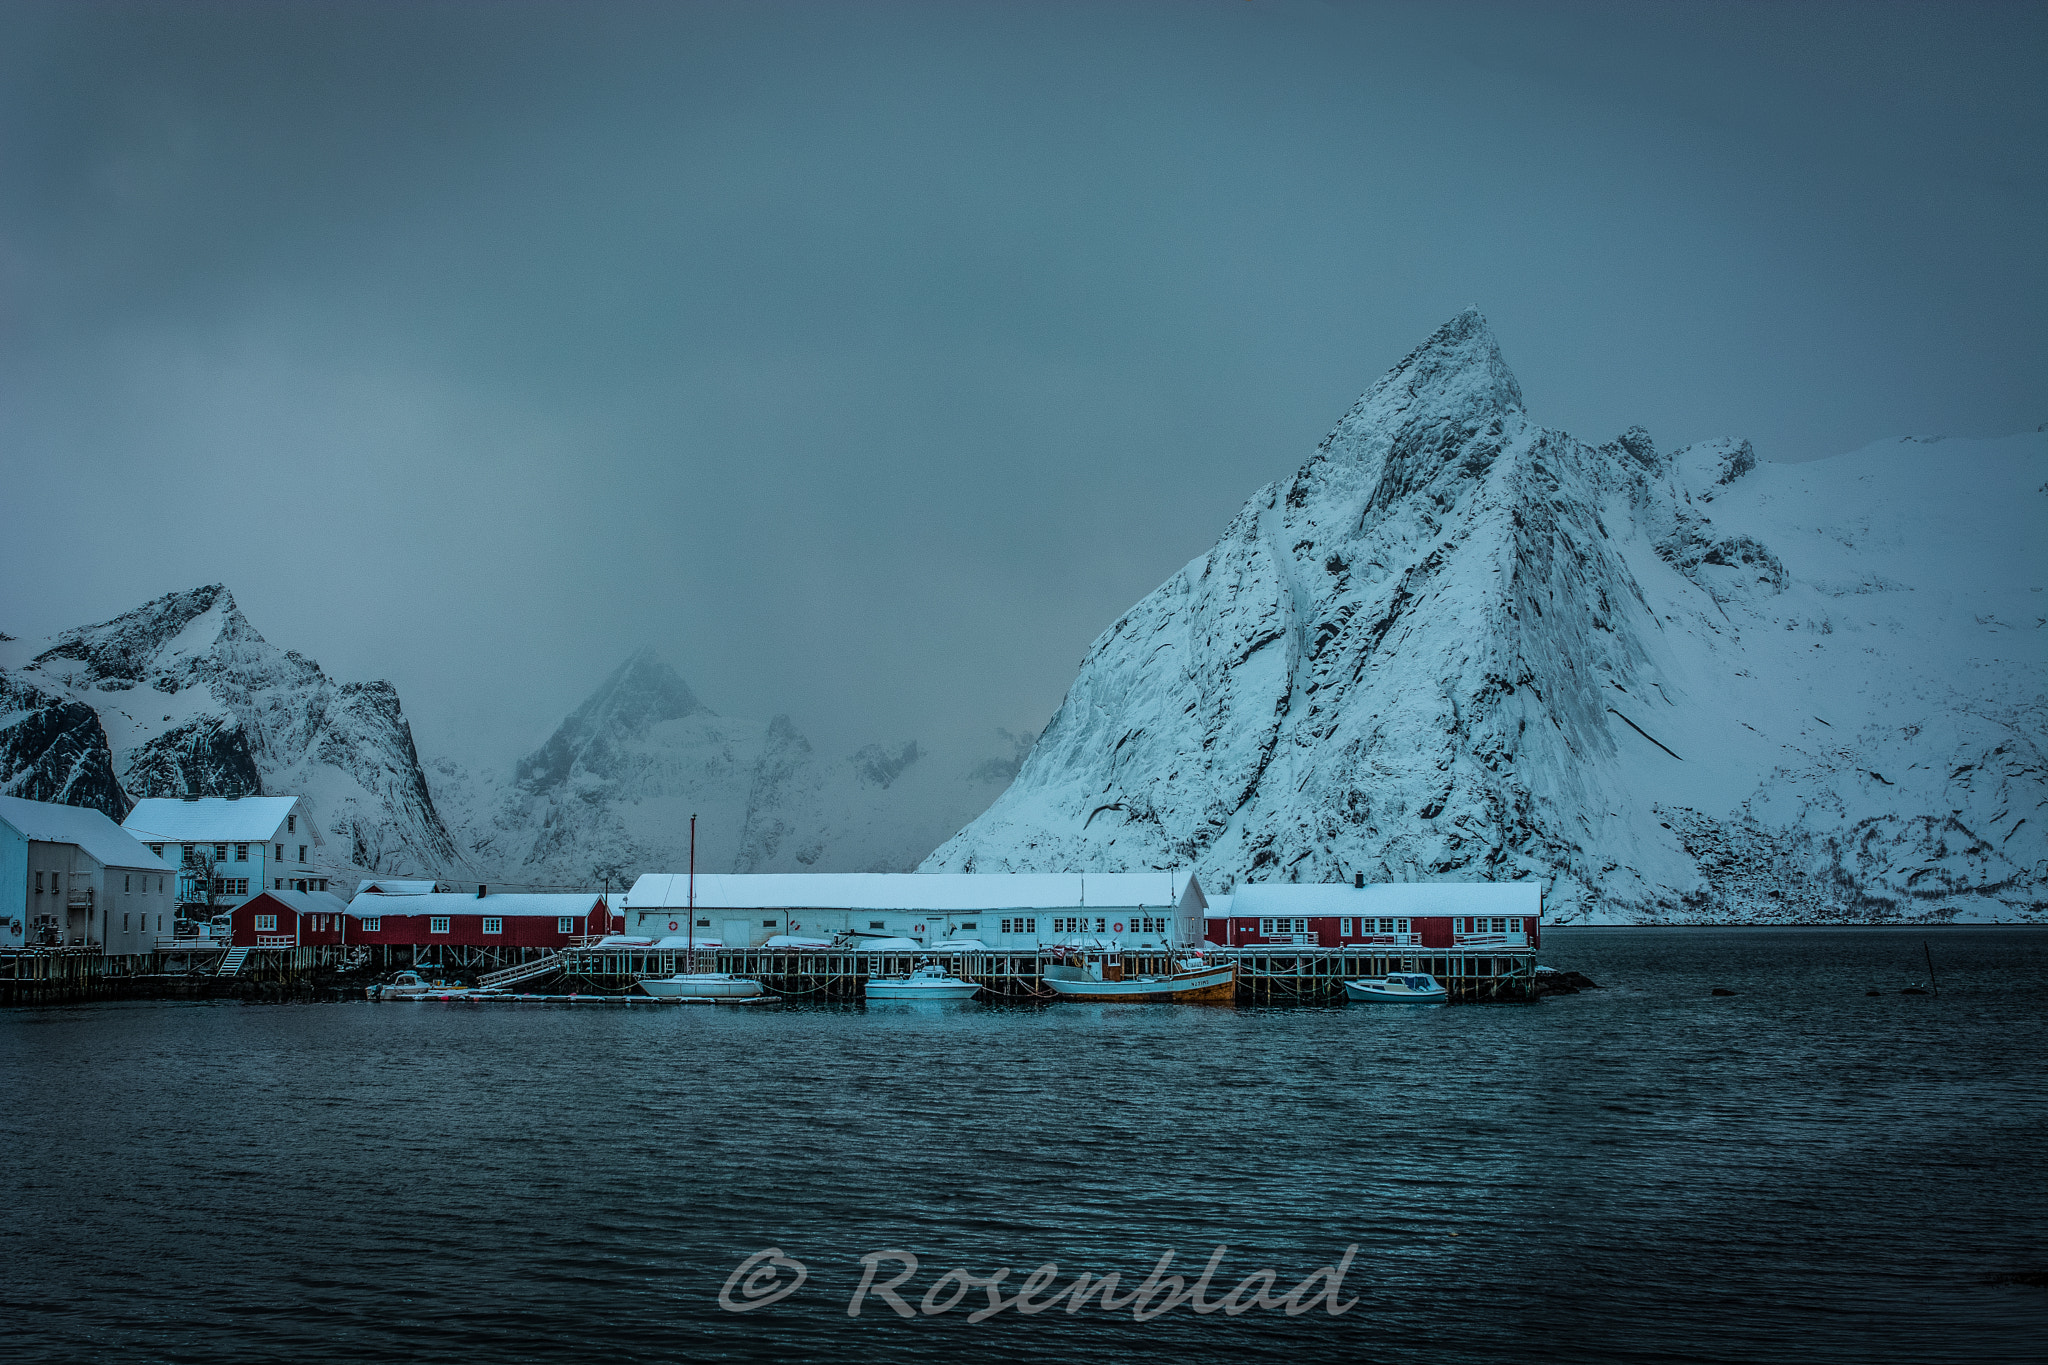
point(266, 924)
point(565, 924)
point(373, 924)
point(437, 924)
point(241, 853)
point(493, 924)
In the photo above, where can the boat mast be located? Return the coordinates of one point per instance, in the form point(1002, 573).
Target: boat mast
point(692, 950)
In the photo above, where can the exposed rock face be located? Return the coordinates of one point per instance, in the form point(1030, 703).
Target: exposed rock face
point(55, 749)
point(194, 700)
point(611, 793)
point(1458, 645)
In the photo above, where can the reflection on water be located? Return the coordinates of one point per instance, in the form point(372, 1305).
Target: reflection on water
point(1646, 1171)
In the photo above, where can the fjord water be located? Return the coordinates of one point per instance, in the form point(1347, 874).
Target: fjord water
point(1644, 1172)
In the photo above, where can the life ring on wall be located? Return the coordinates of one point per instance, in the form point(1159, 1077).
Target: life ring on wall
point(673, 925)
point(1119, 926)
point(794, 926)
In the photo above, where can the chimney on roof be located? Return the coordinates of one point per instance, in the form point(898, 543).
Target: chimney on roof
point(479, 893)
point(1358, 881)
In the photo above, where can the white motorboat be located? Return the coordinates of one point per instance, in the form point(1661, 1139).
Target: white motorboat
point(929, 982)
point(405, 986)
point(702, 986)
point(1398, 988)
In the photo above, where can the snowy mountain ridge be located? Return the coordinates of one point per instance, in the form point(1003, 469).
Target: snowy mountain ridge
point(1686, 686)
point(187, 697)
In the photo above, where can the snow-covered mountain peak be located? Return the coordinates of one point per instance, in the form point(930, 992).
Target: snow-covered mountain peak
point(189, 698)
point(641, 693)
point(1456, 378)
point(1456, 644)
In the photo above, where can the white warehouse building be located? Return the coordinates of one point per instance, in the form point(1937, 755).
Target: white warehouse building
point(1018, 911)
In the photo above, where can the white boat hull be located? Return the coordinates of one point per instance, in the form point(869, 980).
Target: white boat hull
point(702, 986)
point(921, 990)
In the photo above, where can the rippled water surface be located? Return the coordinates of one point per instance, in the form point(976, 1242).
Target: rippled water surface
point(1645, 1172)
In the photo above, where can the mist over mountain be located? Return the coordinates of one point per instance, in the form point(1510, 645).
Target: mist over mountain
point(1670, 686)
point(611, 792)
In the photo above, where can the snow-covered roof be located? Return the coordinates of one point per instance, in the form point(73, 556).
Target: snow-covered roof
point(242, 819)
point(555, 903)
point(391, 886)
point(918, 892)
point(91, 830)
point(1412, 899)
point(306, 902)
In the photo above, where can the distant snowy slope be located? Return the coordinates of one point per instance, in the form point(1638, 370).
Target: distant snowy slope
point(611, 793)
point(1457, 644)
point(193, 700)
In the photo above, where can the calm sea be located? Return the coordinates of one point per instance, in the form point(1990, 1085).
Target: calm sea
point(1645, 1172)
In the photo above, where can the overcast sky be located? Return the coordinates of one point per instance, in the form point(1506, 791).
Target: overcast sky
point(870, 359)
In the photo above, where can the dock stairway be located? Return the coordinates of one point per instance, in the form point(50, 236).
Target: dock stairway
point(231, 963)
point(525, 971)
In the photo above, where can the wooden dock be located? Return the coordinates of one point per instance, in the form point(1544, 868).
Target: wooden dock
point(1290, 974)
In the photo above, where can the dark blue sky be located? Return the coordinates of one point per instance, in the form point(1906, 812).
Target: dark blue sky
point(870, 359)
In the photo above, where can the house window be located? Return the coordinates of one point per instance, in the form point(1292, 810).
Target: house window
point(493, 925)
point(1102, 926)
point(127, 882)
point(706, 924)
point(124, 921)
point(767, 924)
point(967, 924)
point(266, 923)
point(291, 824)
point(220, 853)
point(302, 853)
point(280, 852)
point(1030, 926)
point(438, 924)
point(872, 924)
point(373, 924)
point(565, 925)
point(188, 852)
point(157, 849)
point(241, 853)
point(1006, 927)
point(323, 883)
point(277, 884)
point(1514, 926)
point(1344, 927)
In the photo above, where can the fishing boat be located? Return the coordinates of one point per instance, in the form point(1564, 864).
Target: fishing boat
point(1100, 978)
point(702, 986)
point(929, 982)
point(1398, 988)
